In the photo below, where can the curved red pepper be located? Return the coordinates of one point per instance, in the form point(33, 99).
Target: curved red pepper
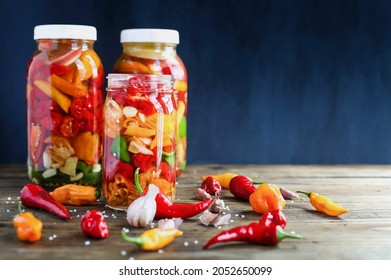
point(35, 196)
point(254, 233)
point(166, 209)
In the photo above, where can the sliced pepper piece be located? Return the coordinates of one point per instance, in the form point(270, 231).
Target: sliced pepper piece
point(67, 87)
point(119, 148)
point(86, 146)
point(61, 99)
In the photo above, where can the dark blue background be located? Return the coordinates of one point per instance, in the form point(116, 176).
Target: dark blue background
point(296, 82)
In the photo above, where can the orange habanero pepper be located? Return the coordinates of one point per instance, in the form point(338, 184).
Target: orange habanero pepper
point(267, 197)
point(28, 228)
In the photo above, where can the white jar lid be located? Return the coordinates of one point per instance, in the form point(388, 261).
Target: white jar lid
point(148, 35)
point(65, 31)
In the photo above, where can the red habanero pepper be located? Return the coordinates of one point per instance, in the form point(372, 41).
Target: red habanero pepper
point(165, 209)
point(241, 187)
point(211, 186)
point(93, 225)
point(35, 196)
point(254, 233)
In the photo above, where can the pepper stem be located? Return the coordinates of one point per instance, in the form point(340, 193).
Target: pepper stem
point(306, 193)
point(257, 183)
point(20, 207)
point(137, 240)
point(137, 181)
point(281, 234)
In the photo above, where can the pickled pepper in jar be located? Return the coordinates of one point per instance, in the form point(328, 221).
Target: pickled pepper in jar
point(153, 51)
point(139, 135)
point(64, 107)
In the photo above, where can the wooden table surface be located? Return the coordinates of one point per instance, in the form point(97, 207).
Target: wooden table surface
point(362, 234)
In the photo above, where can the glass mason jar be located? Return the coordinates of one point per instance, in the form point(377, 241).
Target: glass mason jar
point(64, 107)
point(153, 51)
point(139, 136)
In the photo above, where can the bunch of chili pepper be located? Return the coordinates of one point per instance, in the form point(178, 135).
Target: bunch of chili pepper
point(28, 228)
point(268, 231)
point(325, 205)
point(33, 195)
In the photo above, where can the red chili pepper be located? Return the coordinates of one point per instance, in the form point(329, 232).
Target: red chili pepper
point(35, 196)
point(165, 209)
point(254, 233)
point(144, 162)
point(211, 186)
point(93, 225)
point(241, 187)
point(273, 217)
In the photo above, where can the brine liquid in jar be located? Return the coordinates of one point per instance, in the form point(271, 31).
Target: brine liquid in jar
point(64, 107)
point(139, 137)
point(153, 51)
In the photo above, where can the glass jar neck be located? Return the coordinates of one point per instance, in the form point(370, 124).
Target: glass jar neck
point(49, 44)
point(150, 50)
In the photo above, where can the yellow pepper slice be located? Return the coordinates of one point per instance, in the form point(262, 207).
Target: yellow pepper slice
point(137, 131)
point(61, 99)
point(180, 86)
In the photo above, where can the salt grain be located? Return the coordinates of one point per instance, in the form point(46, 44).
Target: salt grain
point(236, 215)
point(123, 253)
point(242, 216)
point(87, 243)
point(160, 251)
point(186, 243)
point(9, 198)
point(231, 221)
point(131, 258)
point(8, 210)
point(195, 241)
point(12, 202)
point(50, 238)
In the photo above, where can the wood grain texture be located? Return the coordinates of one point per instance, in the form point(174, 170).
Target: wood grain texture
point(363, 233)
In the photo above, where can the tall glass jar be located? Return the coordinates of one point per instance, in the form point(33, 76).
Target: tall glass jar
point(153, 51)
point(139, 136)
point(64, 107)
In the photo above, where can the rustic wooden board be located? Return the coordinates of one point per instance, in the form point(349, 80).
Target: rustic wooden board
point(363, 233)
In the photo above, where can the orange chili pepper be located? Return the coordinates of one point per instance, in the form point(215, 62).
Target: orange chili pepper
point(75, 195)
point(223, 178)
point(28, 228)
point(324, 204)
point(267, 197)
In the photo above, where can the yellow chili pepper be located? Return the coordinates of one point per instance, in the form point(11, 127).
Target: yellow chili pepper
point(324, 204)
point(28, 228)
point(153, 239)
point(75, 195)
point(223, 178)
point(61, 99)
point(267, 197)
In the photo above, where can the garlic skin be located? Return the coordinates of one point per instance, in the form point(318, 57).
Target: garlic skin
point(141, 212)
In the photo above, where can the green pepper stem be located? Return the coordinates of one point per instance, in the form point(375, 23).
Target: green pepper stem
point(20, 207)
point(281, 234)
point(306, 193)
point(137, 240)
point(97, 193)
point(257, 183)
point(137, 181)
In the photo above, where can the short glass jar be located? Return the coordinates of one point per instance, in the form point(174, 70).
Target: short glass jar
point(139, 136)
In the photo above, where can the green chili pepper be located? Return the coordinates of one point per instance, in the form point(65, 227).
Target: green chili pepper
point(169, 158)
point(119, 148)
point(182, 128)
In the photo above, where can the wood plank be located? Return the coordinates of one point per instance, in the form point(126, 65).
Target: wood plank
point(363, 233)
